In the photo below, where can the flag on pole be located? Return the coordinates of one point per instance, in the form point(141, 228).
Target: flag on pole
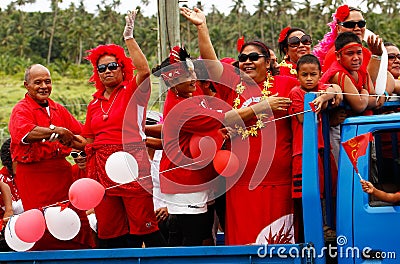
point(357, 147)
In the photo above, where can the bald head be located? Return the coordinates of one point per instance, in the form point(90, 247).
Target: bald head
point(34, 67)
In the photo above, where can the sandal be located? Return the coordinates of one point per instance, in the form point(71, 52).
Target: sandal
point(329, 233)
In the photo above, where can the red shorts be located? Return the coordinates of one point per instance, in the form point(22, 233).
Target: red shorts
point(117, 215)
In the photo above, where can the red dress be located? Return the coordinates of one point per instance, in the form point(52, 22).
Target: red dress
point(260, 197)
point(43, 175)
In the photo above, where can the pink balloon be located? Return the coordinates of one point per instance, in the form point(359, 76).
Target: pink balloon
point(226, 163)
point(86, 193)
point(30, 226)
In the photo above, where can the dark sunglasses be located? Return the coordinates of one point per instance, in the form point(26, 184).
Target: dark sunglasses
point(295, 41)
point(392, 56)
point(75, 154)
point(254, 56)
point(352, 24)
point(112, 66)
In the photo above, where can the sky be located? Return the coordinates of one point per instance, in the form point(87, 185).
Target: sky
point(223, 5)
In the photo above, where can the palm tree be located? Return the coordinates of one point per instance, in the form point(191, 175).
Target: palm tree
point(261, 9)
point(54, 8)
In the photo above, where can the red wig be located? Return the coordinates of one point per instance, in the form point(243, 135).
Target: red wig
point(114, 50)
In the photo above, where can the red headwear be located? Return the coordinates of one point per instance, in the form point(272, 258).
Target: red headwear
point(283, 34)
point(114, 50)
point(342, 12)
point(240, 43)
point(180, 63)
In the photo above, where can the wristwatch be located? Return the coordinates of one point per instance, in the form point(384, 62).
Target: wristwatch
point(52, 127)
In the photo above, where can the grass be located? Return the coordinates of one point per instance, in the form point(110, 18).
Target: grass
point(74, 93)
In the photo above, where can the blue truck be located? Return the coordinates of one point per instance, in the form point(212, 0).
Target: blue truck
point(366, 229)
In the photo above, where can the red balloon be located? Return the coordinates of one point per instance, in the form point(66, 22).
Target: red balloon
point(86, 193)
point(202, 145)
point(226, 163)
point(30, 226)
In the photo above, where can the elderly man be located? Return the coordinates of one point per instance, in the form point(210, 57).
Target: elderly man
point(42, 134)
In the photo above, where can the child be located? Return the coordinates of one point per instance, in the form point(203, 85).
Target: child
point(354, 81)
point(381, 195)
point(308, 74)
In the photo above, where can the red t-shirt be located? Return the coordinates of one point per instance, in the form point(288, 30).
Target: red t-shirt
point(126, 110)
point(183, 119)
point(25, 116)
point(297, 96)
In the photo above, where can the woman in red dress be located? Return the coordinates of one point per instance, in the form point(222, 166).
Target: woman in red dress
point(259, 205)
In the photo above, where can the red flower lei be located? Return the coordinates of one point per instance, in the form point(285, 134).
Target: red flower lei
point(342, 12)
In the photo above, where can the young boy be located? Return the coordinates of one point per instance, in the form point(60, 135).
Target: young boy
point(308, 74)
point(369, 188)
point(346, 71)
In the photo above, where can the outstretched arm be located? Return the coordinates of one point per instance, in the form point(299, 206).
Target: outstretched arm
point(369, 188)
point(207, 52)
point(138, 58)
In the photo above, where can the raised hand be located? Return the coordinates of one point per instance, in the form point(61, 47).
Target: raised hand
point(196, 16)
point(129, 24)
point(375, 45)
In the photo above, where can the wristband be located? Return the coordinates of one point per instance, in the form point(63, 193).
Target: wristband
point(376, 57)
point(386, 95)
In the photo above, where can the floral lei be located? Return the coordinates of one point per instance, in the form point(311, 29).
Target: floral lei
point(265, 93)
point(288, 65)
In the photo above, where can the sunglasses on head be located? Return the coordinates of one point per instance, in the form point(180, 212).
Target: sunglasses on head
point(254, 56)
point(75, 154)
point(112, 66)
point(295, 41)
point(352, 24)
point(392, 56)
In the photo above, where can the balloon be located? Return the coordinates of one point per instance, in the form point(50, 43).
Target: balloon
point(12, 239)
point(30, 226)
point(122, 167)
point(202, 144)
point(86, 193)
point(63, 225)
point(226, 163)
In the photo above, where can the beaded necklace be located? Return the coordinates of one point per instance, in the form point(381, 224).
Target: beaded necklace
point(265, 93)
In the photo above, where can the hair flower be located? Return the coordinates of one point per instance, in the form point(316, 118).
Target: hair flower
point(342, 12)
point(283, 34)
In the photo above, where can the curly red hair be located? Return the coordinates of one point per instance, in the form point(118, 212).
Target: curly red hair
point(113, 50)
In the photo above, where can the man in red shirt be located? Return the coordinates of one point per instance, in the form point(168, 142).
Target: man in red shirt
point(42, 132)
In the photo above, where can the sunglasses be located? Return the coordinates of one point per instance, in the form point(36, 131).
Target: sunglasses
point(75, 154)
point(254, 56)
point(392, 56)
point(112, 66)
point(352, 24)
point(294, 42)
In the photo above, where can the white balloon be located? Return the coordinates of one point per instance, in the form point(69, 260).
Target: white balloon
point(12, 239)
point(122, 167)
point(63, 225)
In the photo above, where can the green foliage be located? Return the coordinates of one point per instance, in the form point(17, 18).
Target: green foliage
point(25, 38)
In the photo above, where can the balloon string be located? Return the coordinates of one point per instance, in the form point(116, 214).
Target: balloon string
point(148, 176)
